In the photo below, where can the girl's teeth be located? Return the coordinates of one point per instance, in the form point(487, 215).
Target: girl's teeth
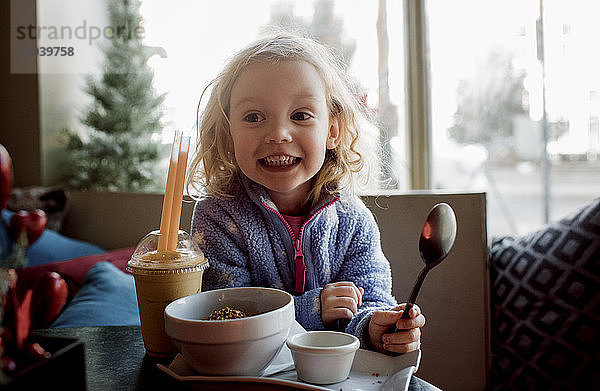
point(278, 161)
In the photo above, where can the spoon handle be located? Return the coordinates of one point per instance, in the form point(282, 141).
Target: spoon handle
point(413, 295)
point(407, 309)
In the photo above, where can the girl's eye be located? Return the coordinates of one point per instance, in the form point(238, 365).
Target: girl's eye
point(300, 116)
point(253, 117)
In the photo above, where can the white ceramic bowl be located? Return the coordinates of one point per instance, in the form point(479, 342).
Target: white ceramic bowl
point(323, 357)
point(242, 346)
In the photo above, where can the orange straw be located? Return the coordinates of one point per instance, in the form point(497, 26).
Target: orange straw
point(178, 193)
point(165, 218)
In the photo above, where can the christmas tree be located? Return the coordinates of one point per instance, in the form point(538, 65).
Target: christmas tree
point(118, 153)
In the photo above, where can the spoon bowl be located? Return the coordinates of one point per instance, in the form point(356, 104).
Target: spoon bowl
point(436, 241)
point(438, 235)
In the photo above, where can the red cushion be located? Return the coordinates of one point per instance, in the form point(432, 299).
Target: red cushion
point(74, 270)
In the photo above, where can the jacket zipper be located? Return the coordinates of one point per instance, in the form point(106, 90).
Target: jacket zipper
point(297, 244)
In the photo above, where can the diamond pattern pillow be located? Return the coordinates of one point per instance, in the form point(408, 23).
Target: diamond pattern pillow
point(545, 297)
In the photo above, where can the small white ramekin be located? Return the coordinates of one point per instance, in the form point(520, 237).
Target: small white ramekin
point(323, 357)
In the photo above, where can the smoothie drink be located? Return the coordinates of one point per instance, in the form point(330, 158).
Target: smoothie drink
point(160, 278)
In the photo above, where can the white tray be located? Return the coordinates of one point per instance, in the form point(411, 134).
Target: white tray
point(370, 371)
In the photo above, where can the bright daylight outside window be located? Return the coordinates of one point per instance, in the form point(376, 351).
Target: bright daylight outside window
point(198, 36)
point(490, 82)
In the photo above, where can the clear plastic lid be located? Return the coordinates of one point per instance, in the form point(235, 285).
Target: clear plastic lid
point(187, 257)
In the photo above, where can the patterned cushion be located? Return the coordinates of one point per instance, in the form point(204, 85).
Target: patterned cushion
point(545, 296)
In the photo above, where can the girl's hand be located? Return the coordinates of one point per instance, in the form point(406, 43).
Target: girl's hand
point(340, 300)
point(408, 335)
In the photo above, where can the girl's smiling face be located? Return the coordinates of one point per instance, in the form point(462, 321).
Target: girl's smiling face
point(281, 128)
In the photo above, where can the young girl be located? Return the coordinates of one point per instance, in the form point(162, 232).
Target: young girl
point(276, 158)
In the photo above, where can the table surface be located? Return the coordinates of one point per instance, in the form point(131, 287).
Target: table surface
point(115, 359)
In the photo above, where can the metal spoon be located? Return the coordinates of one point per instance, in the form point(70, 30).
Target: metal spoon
point(437, 239)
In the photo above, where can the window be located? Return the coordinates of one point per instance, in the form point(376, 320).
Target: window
point(489, 114)
point(489, 89)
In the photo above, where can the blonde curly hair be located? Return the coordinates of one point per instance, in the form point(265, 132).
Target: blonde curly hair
point(213, 168)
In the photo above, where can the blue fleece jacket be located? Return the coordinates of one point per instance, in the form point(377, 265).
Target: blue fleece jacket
point(248, 243)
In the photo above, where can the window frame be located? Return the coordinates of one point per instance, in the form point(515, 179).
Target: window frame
point(418, 94)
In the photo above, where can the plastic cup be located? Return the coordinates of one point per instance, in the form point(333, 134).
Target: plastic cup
point(160, 278)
